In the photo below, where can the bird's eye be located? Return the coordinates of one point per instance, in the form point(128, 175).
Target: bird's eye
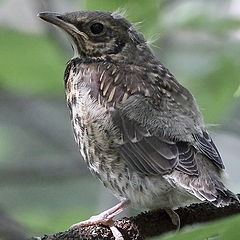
point(96, 28)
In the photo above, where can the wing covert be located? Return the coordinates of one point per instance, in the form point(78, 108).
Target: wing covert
point(149, 154)
point(206, 146)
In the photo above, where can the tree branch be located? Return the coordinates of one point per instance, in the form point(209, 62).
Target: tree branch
point(148, 224)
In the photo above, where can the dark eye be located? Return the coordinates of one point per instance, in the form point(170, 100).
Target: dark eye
point(96, 28)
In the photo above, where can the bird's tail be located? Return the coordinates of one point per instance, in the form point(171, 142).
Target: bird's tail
point(209, 186)
point(206, 188)
point(224, 196)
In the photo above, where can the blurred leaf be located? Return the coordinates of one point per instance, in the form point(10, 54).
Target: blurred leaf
point(237, 93)
point(224, 229)
point(30, 63)
point(214, 92)
point(206, 23)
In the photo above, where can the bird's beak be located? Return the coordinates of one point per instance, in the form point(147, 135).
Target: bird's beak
point(54, 18)
point(61, 21)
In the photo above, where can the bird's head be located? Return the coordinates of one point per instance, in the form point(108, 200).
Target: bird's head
point(98, 34)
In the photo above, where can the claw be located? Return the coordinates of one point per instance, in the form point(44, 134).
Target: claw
point(105, 218)
point(174, 218)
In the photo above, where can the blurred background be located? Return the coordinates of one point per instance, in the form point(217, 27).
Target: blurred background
point(44, 184)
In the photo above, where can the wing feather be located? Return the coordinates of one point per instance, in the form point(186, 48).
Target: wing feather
point(149, 154)
point(206, 146)
point(167, 135)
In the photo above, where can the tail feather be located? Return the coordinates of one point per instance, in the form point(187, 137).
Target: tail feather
point(208, 186)
point(224, 195)
point(219, 195)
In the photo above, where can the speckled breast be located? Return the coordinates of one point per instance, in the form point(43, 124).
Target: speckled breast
point(93, 129)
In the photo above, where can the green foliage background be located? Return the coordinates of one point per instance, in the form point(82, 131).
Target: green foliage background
point(30, 64)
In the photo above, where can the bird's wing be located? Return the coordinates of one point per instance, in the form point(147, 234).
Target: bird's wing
point(150, 154)
point(157, 118)
point(160, 124)
point(206, 146)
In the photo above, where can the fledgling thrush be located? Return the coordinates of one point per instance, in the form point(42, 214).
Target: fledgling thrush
point(138, 129)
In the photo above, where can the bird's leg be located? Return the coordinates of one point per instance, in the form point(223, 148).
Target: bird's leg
point(105, 218)
point(174, 218)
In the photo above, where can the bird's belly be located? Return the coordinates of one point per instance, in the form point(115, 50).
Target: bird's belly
point(151, 192)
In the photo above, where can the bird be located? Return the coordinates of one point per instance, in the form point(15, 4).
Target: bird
point(138, 129)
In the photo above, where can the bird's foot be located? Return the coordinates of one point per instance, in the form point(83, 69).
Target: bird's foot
point(174, 218)
point(105, 218)
point(99, 220)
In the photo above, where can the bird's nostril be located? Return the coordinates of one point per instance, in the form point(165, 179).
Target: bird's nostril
point(60, 17)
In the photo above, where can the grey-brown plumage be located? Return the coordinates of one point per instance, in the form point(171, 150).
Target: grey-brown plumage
point(138, 129)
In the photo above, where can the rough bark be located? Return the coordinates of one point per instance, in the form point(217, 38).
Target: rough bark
point(148, 224)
